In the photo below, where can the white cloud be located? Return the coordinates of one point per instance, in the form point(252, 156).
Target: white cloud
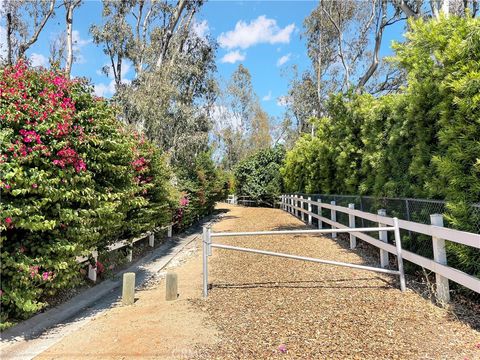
point(268, 97)
point(260, 30)
point(283, 100)
point(39, 60)
point(201, 29)
point(283, 59)
point(105, 90)
point(78, 41)
point(232, 57)
point(77, 44)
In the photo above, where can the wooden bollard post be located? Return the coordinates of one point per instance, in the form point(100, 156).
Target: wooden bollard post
point(92, 269)
point(128, 289)
point(171, 292)
point(151, 240)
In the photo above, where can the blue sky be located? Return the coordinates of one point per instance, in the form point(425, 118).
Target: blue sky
point(265, 36)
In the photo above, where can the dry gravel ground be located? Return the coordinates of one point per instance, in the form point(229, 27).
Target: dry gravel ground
point(316, 311)
point(259, 303)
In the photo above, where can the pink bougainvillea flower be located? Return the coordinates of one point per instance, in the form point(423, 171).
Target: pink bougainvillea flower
point(45, 276)
point(8, 220)
point(34, 186)
point(184, 201)
point(7, 186)
point(33, 271)
point(282, 348)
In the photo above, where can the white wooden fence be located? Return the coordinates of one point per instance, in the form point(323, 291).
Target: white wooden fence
point(232, 199)
point(208, 245)
point(92, 270)
point(294, 204)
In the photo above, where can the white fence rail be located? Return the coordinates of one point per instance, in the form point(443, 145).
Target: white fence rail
point(295, 205)
point(92, 270)
point(208, 245)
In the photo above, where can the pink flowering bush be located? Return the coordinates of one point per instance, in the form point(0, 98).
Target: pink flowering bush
point(72, 179)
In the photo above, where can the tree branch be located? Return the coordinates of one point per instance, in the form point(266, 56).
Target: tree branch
point(24, 47)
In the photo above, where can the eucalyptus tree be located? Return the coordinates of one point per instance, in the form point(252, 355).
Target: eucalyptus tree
point(242, 125)
point(70, 6)
point(24, 20)
point(172, 93)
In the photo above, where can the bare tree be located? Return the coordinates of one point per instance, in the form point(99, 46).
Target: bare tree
point(70, 6)
point(25, 20)
point(167, 35)
point(115, 34)
point(58, 47)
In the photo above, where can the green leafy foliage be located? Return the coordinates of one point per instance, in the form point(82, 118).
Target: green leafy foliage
point(421, 142)
point(258, 176)
point(73, 179)
point(201, 187)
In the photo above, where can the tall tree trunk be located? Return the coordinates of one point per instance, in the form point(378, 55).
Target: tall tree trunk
point(319, 67)
point(26, 45)
point(434, 7)
point(169, 31)
point(9, 39)
point(378, 42)
point(70, 6)
point(69, 24)
point(446, 7)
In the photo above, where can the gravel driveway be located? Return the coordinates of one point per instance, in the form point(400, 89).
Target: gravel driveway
point(269, 307)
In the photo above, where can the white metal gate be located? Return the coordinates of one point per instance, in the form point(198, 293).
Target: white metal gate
point(208, 245)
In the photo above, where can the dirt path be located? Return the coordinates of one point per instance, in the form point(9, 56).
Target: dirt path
point(152, 328)
point(261, 303)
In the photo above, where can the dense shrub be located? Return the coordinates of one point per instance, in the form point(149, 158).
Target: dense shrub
point(201, 186)
point(421, 142)
point(73, 179)
point(258, 176)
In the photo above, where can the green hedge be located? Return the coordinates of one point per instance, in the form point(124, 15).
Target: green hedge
point(258, 176)
point(422, 142)
point(73, 178)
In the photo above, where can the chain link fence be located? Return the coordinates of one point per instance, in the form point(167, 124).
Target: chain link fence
point(416, 210)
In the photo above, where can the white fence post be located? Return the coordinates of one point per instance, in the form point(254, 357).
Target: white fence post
point(398, 246)
point(92, 270)
point(309, 211)
point(351, 223)
point(295, 203)
point(440, 256)
point(302, 214)
point(205, 262)
point(383, 236)
point(169, 231)
point(209, 242)
point(151, 240)
point(130, 253)
point(333, 216)
point(319, 211)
